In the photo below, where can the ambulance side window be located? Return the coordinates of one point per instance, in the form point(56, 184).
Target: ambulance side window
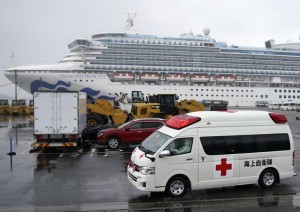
point(180, 146)
point(220, 145)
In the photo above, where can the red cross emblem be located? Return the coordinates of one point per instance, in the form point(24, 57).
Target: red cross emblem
point(223, 167)
point(142, 155)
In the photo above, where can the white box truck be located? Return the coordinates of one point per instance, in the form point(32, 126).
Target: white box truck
point(59, 118)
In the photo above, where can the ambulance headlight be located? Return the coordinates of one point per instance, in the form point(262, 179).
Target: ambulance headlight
point(147, 170)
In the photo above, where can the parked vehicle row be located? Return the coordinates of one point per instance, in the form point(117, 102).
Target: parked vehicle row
point(285, 106)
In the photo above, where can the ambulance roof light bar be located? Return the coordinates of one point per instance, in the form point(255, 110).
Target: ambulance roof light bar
point(278, 118)
point(181, 121)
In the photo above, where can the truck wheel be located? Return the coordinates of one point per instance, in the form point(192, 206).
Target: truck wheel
point(94, 119)
point(113, 143)
point(268, 178)
point(176, 187)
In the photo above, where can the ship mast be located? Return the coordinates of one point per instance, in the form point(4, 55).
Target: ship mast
point(130, 22)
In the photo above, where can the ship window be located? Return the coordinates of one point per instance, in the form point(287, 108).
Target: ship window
point(261, 96)
point(284, 96)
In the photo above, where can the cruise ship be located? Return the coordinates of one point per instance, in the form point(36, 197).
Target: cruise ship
point(194, 66)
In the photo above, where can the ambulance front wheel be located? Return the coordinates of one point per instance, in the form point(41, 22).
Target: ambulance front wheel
point(268, 178)
point(177, 187)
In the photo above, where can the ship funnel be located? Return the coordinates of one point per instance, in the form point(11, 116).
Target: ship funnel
point(269, 44)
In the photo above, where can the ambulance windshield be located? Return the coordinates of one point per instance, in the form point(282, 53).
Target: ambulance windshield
point(151, 144)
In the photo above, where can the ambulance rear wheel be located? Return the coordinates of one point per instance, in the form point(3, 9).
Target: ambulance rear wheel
point(176, 187)
point(268, 178)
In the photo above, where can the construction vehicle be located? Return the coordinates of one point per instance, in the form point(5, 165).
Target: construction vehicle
point(164, 106)
point(18, 107)
point(59, 119)
point(102, 111)
point(29, 109)
point(186, 106)
point(4, 107)
point(155, 106)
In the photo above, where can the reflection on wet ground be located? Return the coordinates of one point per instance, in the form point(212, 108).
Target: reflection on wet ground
point(94, 179)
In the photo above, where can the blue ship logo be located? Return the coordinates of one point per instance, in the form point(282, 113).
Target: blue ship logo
point(37, 85)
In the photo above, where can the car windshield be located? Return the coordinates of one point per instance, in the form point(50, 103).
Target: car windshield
point(124, 125)
point(154, 142)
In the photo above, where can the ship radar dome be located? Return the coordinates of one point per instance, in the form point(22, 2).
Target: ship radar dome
point(206, 31)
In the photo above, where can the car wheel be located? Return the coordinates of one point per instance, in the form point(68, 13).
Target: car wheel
point(113, 143)
point(176, 187)
point(267, 178)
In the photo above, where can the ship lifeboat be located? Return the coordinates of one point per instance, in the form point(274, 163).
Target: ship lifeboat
point(175, 77)
point(123, 76)
point(199, 78)
point(149, 77)
point(225, 78)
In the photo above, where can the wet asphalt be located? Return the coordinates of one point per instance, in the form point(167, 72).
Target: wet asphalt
point(94, 179)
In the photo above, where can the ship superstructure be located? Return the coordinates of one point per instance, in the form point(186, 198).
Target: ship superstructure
point(193, 66)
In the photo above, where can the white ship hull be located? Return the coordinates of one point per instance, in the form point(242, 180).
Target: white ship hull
point(100, 86)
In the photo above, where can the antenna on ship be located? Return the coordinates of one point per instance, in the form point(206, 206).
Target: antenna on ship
point(130, 22)
point(12, 56)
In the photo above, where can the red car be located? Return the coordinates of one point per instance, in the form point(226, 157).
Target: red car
point(132, 132)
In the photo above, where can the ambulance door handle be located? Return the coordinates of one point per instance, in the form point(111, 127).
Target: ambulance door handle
point(189, 159)
point(203, 158)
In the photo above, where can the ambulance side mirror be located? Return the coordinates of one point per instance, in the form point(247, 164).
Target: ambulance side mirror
point(165, 153)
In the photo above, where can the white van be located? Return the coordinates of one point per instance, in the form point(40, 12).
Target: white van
point(274, 106)
point(288, 106)
point(214, 149)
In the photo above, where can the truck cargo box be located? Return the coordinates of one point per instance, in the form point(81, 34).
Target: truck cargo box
point(58, 117)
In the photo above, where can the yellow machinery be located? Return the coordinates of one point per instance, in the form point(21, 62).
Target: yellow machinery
point(155, 106)
point(186, 106)
point(103, 112)
point(18, 107)
point(29, 108)
point(164, 106)
point(4, 107)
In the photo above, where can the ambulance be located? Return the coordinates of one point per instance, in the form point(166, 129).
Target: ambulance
point(210, 149)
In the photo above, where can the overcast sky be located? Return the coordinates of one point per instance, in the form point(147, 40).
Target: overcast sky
point(38, 31)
